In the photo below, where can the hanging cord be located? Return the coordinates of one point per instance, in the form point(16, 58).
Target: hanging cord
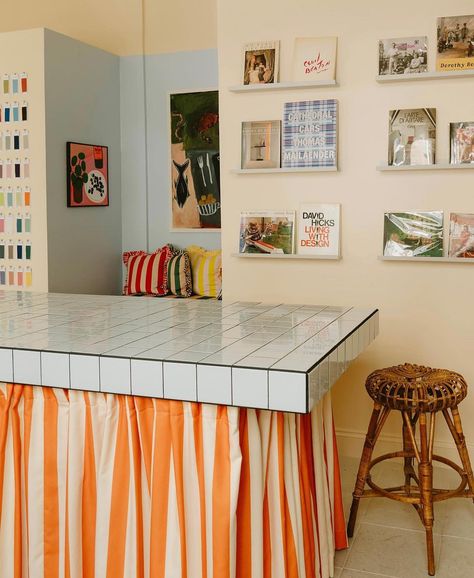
point(145, 106)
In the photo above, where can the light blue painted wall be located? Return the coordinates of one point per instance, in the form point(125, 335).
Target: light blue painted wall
point(132, 118)
point(165, 74)
point(82, 105)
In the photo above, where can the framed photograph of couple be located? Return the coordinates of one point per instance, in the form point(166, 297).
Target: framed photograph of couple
point(261, 62)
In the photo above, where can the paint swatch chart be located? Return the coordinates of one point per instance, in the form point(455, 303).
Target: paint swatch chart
point(15, 191)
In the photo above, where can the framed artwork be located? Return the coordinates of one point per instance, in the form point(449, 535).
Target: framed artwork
point(195, 161)
point(87, 175)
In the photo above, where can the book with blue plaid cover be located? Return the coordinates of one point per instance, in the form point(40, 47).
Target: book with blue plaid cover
point(309, 136)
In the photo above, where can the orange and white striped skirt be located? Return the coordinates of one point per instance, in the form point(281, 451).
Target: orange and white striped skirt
point(106, 486)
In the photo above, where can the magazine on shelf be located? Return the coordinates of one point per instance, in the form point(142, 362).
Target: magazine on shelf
point(412, 137)
point(261, 62)
point(314, 59)
point(309, 134)
point(455, 49)
point(413, 234)
point(461, 235)
point(461, 142)
point(403, 55)
point(261, 144)
point(319, 229)
point(269, 232)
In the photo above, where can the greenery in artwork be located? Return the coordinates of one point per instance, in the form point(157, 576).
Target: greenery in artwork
point(195, 120)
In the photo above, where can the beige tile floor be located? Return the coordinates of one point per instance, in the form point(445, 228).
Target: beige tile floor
point(389, 540)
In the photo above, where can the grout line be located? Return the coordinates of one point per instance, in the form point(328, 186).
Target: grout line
point(420, 531)
point(13, 367)
point(371, 573)
point(438, 553)
point(457, 537)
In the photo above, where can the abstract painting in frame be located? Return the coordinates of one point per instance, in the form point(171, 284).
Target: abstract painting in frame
point(87, 175)
point(195, 161)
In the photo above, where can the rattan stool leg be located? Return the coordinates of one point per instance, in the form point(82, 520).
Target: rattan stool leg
point(408, 449)
point(462, 448)
point(364, 466)
point(425, 470)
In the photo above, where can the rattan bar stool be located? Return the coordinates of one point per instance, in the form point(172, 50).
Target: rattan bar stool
point(419, 393)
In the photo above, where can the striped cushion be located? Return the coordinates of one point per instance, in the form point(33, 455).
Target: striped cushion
point(206, 270)
point(180, 281)
point(148, 274)
point(125, 258)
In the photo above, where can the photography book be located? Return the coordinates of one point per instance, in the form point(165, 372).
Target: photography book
point(269, 232)
point(309, 134)
point(403, 55)
point(261, 62)
point(461, 235)
point(261, 144)
point(413, 234)
point(455, 50)
point(412, 137)
point(461, 138)
point(319, 229)
point(314, 59)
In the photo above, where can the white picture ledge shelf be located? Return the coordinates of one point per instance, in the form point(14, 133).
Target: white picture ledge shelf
point(286, 170)
point(281, 86)
point(428, 259)
point(284, 256)
point(436, 167)
point(424, 76)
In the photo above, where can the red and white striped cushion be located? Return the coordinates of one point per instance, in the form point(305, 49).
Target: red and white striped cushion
point(125, 258)
point(147, 274)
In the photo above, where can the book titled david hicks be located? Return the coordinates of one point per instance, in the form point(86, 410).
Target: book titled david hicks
point(309, 135)
point(319, 229)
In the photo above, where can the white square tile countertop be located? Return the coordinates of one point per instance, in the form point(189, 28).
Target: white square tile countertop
point(271, 356)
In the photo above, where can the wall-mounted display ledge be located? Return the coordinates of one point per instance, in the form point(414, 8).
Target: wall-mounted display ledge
point(428, 259)
point(437, 167)
point(286, 170)
point(284, 256)
point(281, 86)
point(424, 76)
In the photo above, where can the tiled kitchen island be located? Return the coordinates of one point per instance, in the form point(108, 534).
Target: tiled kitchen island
point(278, 357)
point(245, 478)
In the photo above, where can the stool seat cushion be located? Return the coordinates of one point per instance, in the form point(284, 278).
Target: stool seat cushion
point(411, 387)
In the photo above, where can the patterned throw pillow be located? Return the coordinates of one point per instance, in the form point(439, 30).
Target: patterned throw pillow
point(206, 269)
point(125, 258)
point(147, 274)
point(180, 281)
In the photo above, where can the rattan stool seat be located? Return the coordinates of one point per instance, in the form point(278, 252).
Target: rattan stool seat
point(415, 387)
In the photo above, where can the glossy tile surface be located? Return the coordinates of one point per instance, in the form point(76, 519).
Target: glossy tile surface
point(293, 353)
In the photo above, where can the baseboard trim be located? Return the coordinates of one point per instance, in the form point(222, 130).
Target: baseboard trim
point(350, 443)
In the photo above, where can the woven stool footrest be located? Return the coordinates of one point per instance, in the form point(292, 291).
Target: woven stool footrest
point(412, 495)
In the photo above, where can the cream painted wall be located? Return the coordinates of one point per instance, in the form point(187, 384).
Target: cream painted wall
point(180, 25)
point(117, 25)
point(426, 308)
point(24, 52)
point(114, 25)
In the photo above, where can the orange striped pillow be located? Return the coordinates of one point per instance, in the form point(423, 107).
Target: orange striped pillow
point(148, 273)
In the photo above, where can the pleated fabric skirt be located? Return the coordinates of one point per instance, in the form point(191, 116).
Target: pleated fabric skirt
point(106, 486)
